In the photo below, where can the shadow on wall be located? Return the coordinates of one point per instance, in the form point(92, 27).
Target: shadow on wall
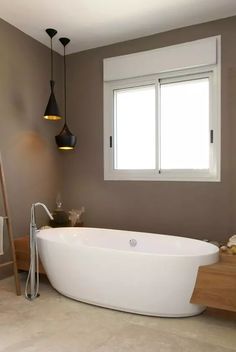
point(30, 160)
point(28, 141)
point(32, 175)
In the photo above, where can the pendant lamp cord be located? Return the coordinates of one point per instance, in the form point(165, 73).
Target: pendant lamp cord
point(65, 81)
point(51, 62)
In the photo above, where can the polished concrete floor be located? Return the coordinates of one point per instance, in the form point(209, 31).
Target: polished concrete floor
point(54, 323)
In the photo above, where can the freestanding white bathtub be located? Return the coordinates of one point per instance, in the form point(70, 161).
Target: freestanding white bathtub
point(130, 271)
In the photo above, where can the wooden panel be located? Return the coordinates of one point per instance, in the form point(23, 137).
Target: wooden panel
point(216, 285)
point(23, 255)
point(228, 258)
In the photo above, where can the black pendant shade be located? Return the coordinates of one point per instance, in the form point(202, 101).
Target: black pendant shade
point(65, 140)
point(52, 111)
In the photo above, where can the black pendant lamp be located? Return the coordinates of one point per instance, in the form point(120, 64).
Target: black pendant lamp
point(52, 111)
point(65, 140)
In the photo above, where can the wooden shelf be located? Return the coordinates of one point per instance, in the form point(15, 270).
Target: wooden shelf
point(23, 254)
point(216, 284)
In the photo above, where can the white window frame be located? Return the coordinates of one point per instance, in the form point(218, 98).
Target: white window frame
point(213, 175)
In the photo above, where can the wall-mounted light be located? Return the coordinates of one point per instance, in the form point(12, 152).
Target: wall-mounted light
point(65, 140)
point(52, 111)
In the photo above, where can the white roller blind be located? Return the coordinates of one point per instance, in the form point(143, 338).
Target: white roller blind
point(176, 57)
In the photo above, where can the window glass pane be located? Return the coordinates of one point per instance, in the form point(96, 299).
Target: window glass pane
point(134, 128)
point(185, 124)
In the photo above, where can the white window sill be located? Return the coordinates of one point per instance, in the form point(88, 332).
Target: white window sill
point(165, 176)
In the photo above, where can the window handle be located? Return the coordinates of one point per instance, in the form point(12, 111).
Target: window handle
point(110, 141)
point(211, 136)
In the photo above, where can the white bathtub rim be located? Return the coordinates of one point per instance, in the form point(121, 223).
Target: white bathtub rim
point(214, 248)
point(133, 253)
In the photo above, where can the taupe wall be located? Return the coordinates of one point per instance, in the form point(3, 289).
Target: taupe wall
point(30, 157)
point(36, 171)
point(198, 209)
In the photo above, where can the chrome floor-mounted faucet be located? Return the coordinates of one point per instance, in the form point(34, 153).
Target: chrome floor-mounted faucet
point(32, 282)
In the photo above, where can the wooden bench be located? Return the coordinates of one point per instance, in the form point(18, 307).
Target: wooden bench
point(216, 284)
point(23, 254)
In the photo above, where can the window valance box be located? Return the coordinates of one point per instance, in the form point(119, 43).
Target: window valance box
point(197, 53)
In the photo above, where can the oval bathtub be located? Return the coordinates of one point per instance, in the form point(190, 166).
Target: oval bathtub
point(130, 271)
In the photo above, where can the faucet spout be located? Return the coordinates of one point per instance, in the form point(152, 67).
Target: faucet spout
point(45, 208)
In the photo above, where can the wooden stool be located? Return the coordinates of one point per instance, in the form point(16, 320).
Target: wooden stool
point(23, 254)
point(216, 284)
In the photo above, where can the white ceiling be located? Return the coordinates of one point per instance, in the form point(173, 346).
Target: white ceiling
point(94, 23)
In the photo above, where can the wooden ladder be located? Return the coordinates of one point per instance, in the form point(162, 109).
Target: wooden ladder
point(9, 230)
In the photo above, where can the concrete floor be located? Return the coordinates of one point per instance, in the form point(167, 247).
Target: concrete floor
point(54, 323)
